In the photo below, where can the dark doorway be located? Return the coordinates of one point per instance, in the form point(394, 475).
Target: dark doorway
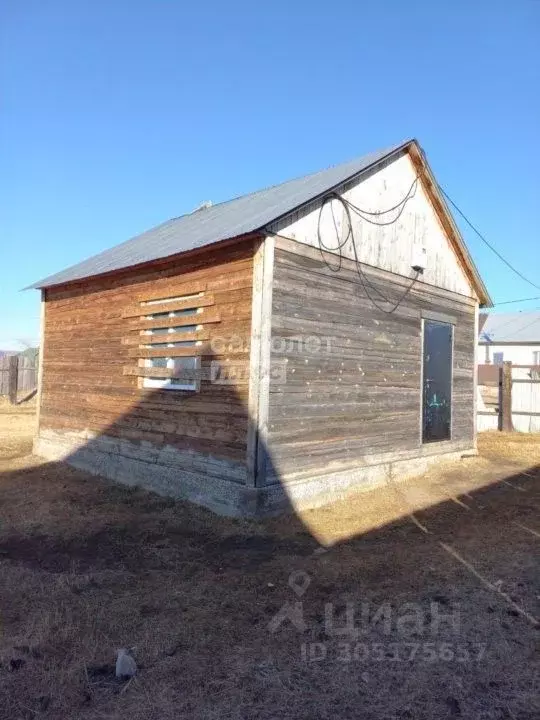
point(437, 381)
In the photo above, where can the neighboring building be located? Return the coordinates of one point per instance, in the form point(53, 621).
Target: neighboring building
point(274, 350)
point(511, 337)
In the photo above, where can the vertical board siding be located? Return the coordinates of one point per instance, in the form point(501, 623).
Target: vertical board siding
point(526, 399)
point(4, 375)
point(27, 373)
point(487, 422)
point(346, 379)
point(84, 388)
point(393, 246)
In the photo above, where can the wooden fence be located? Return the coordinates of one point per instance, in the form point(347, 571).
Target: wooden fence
point(508, 397)
point(18, 374)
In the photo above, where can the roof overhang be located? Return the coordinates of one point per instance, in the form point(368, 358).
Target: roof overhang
point(418, 159)
point(446, 218)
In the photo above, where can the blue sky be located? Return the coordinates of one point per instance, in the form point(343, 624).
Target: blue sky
point(117, 115)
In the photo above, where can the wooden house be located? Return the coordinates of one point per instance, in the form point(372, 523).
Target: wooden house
point(273, 351)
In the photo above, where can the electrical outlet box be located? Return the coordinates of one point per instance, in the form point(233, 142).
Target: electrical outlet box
point(419, 259)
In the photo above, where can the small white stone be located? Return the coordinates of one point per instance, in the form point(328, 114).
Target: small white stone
point(126, 667)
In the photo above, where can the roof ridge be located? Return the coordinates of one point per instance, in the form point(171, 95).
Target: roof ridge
point(307, 176)
point(232, 218)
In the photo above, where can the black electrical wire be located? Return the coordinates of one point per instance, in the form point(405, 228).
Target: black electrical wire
point(338, 249)
point(509, 302)
point(512, 321)
point(364, 280)
point(483, 239)
point(366, 215)
point(504, 324)
point(362, 213)
point(408, 195)
point(493, 340)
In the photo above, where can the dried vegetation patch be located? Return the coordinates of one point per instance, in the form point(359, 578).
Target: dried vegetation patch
point(87, 567)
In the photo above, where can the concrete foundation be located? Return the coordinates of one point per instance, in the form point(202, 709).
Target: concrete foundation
point(220, 485)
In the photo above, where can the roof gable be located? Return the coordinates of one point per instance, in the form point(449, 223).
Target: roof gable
point(395, 239)
point(231, 219)
point(226, 220)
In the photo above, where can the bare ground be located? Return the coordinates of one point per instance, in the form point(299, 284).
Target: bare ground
point(87, 567)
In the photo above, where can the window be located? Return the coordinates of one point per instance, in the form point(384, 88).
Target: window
point(536, 357)
point(170, 340)
point(498, 358)
point(437, 381)
point(185, 380)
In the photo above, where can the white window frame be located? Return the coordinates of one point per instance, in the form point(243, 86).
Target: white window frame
point(168, 383)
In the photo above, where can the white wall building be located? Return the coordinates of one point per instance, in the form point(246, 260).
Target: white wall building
point(511, 337)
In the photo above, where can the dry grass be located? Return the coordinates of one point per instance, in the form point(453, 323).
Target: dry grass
point(518, 448)
point(500, 455)
point(16, 423)
point(87, 567)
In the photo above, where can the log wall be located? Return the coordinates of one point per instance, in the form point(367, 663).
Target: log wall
point(89, 388)
point(346, 381)
point(335, 395)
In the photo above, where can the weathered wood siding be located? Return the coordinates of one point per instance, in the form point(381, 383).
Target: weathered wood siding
point(85, 390)
point(346, 378)
point(27, 371)
point(394, 246)
point(526, 399)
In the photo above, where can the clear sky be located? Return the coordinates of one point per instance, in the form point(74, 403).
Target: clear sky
point(119, 114)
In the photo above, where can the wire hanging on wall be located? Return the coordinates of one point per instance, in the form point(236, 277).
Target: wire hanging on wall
point(411, 192)
point(347, 206)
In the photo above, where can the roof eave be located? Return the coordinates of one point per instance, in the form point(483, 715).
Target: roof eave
point(224, 242)
point(419, 157)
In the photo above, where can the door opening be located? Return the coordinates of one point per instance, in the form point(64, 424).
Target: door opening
point(437, 381)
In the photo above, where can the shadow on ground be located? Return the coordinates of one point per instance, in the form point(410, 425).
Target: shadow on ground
point(244, 619)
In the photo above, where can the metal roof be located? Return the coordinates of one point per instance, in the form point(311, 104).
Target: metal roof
point(241, 216)
point(516, 327)
point(223, 221)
